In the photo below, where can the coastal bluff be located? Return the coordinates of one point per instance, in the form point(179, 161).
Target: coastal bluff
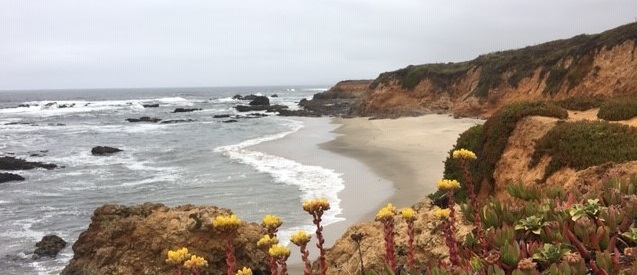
point(135, 240)
point(599, 65)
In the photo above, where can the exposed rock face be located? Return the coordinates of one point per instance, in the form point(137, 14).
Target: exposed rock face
point(49, 246)
point(6, 177)
point(104, 150)
point(429, 243)
point(260, 101)
point(601, 65)
point(136, 239)
point(144, 119)
point(11, 163)
point(338, 100)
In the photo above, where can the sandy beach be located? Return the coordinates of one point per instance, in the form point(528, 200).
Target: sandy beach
point(381, 161)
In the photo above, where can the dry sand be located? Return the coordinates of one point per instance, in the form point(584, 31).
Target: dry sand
point(381, 161)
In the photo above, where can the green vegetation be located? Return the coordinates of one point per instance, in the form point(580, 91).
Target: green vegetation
point(521, 63)
point(583, 144)
point(580, 103)
point(618, 109)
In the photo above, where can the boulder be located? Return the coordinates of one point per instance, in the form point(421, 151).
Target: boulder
point(136, 239)
point(221, 116)
point(6, 177)
point(260, 101)
point(155, 105)
point(248, 97)
point(272, 108)
point(104, 150)
point(186, 110)
point(12, 163)
point(49, 246)
point(144, 119)
point(274, 95)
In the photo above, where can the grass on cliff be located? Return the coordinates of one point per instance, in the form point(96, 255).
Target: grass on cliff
point(583, 144)
point(521, 63)
point(489, 141)
point(618, 109)
point(580, 103)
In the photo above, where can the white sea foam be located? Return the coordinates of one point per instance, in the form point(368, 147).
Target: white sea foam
point(312, 181)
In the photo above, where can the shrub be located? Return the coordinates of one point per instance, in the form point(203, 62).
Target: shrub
point(583, 144)
point(580, 103)
point(618, 109)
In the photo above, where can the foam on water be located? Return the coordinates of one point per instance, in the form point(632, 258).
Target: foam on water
point(312, 181)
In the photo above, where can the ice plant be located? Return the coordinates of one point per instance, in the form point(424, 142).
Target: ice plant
point(316, 208)
point(271, 223)
point(228, 225)
point(301, 238)
point(265, 243)
point(195, 264)
point(244, 271)
point(281, 254)
point(450, 186)
point(463, 157)
point(177, 258)
point(409, 216)
point(386, 216)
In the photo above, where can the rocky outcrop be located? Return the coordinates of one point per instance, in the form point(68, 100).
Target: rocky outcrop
point(12, 163)
point(429, 243)
point(271, 108)
point(337, 101)
point(172, 121)
point(135, 240)
point(144, 119)
point(260, 101)
point(6, 177)
point(49, 246)
point(186, 110)
point(151, 105)
point(104, 150)
point(248, 97)
point(600, 65)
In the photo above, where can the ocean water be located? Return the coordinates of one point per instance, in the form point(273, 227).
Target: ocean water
point(204, 161)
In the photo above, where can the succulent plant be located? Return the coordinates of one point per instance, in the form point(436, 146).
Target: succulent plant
point(550, 254)
point(591, 208)
point(532, 224)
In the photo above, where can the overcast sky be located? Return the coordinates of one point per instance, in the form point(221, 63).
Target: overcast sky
point(57, 44)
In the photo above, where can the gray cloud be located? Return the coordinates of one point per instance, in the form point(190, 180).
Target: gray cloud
point(159, 43)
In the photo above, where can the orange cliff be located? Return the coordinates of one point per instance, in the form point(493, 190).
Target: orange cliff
point(599, 65)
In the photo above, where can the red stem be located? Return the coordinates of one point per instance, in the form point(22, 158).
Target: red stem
point(452, 243)
point(284, 266)
point(390, 257)
point(230, 260)
point(305, 256)
point(474, 206)
point(320, 241)
point(410, 242)
point(274, 268)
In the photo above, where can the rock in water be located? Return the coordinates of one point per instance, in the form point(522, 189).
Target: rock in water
point(186, 110)
point(260, 101)
point(5, 177)
point(49, 246)
point(104, 150)
point(136, 239)
point(11, 163)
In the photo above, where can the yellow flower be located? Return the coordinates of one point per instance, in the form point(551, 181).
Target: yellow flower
point(271, 222)
point(177, 256)
point(226, 223)
point(300, 238)
point(463, 154)
point(446, 185)
point(408, 214)
point(442, 213)
point(386, 213)
point(316, 206)
point(279, 251)
point(267, 242)
point(244, 271)
point(195, 261)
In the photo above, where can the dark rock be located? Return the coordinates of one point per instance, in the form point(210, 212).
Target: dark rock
point(11, 163)
point(274, 95)
point(230, 121)
point(104, 150)
point(272, 108)
point(17, 123)
point(50, 104)
point(151, 105)
point(221, 116)
point(301, 113)
point(176, 121)
point(144, 119)
point(49, 246)
point(248, 97)
point(5, 177)
point(24, 105)
point(67, 105)
point(186, 110)
point(260, 101)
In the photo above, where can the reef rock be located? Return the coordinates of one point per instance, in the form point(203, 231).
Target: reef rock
point(136, 239)
point(104, 150)
point(49, 246)
point(11, 163)
point(6, 177)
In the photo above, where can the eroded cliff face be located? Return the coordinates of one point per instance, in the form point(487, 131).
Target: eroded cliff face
point(606, 72)
point(136, 239)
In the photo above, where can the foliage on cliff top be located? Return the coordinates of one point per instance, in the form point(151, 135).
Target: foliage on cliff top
point(520, 62)
point(583, 144)
point(618, 109)
point(580, 103)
